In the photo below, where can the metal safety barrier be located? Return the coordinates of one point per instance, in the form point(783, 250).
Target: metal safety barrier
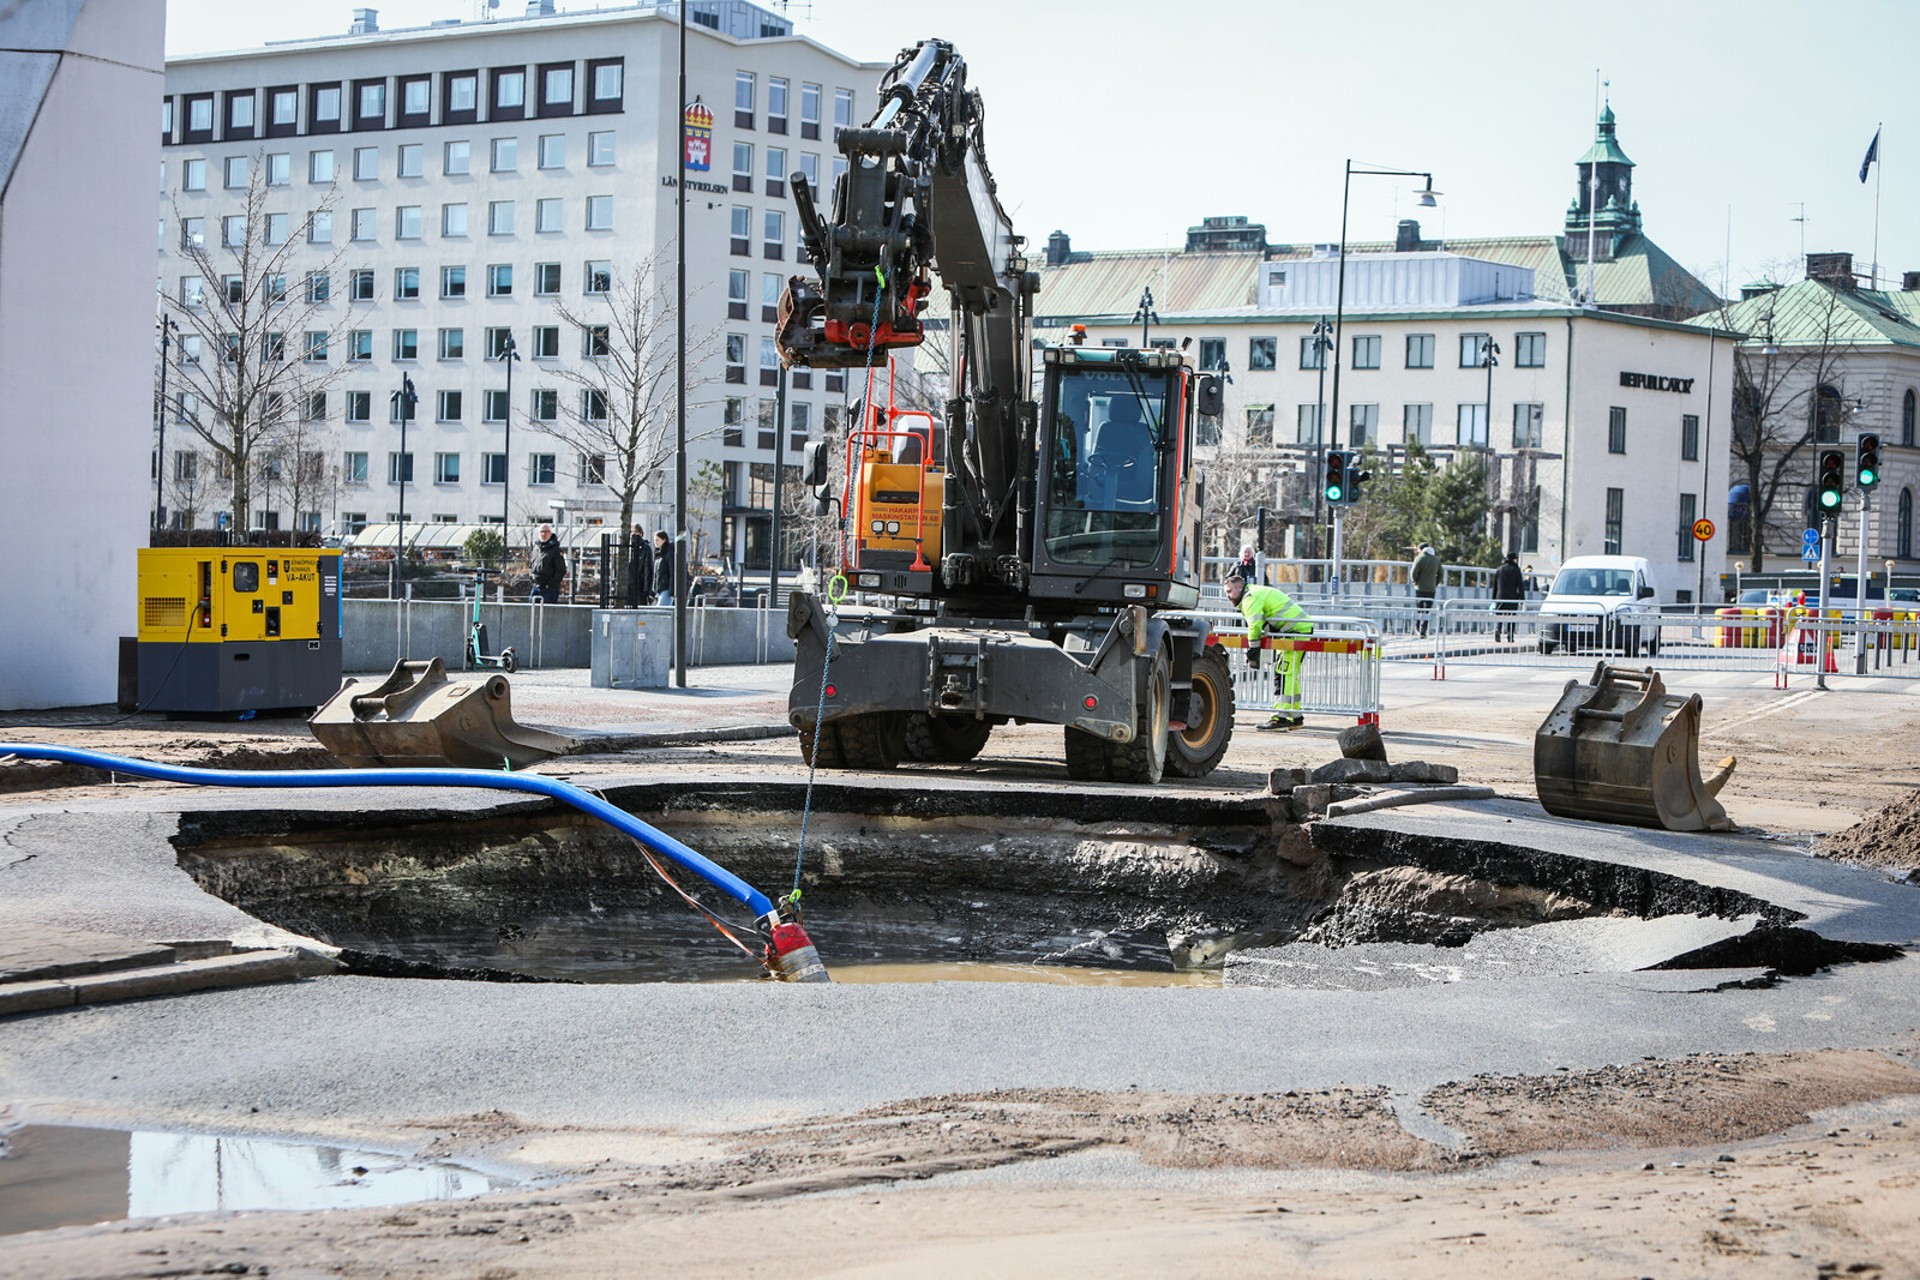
point(1339, 668)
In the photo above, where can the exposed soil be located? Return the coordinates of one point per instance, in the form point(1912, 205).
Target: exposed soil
point(1888, 837)
point(1647, 1181)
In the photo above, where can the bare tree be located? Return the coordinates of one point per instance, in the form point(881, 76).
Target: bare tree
point(623, 415)
point(1786, 399)
point(294, 463)
point(255, 340)
point(188, 482)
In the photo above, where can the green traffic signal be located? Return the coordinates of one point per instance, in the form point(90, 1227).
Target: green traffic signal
point(1831, 481)
point(1336, 481)
point(1867, 460)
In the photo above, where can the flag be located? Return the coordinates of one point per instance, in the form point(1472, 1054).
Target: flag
point(1873, 153)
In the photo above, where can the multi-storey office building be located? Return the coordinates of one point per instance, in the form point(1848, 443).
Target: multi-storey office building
point(452, 187)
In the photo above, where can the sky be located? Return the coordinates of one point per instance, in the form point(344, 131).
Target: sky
point(1124, 122)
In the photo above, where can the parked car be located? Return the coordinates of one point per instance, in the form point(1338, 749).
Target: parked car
point(1602, 598)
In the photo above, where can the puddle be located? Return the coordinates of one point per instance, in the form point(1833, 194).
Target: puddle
point(56, 1176)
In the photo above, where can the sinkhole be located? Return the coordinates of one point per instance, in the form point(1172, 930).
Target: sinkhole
point(923, 883)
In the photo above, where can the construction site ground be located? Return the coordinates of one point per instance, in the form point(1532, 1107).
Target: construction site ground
point(1693, 1122)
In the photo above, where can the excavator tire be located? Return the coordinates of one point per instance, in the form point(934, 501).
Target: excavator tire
point(945, 739)
point(829, 755)
point(1193, 752)
point(1145, 758)
point(1086, 757)
point(873, 741)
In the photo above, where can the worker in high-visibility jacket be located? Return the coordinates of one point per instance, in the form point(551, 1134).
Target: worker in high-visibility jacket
point(1271, 611)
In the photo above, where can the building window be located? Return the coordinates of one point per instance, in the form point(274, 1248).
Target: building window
point(1907, 419)
point(452, 404)
point(546, 279)
point(504, 155)
point(743, 99)
point(406, 220)
point(319, 286)
point(1471, 344)
point(1530, 351)
point(1306, 428)
point(771, 285)
point(446, 468)
point(591, 468)
point(493, 406)
point(359, 407)
point(360, 345)
point(599, 149)
point(1416, 424)
point(1829, 411)
point(544, 405)
point(406, 283)
point(320, 168)
point(400, 468)
point(456, 159)
point(509, 94)
point(366, 164)
point(1689, 511)
point(235, 170)
point(546, 342)
point(740, 232)
point(546, 215)
point(493, 468)
point(769, 363)
point(416, 99)
point(1312, 354)
point(316, 406)
point(283, 107)
point(280, 169)
point(593, 405)
point(553, 150)
point(460, 96)
point(1260, 426)
point(737, 294)
point(193, 175)
point(316, 347)
point(1366, 351)
point(500, 280)
point(1616, 506)
point(369, 104)
point(599, 277)
point(1363, 425)
point(810, 173)
point(453, 344)
point(496, 342)
point(842, 108)
point(406, 344)
point(1903, 527)
point(776, 104)
point(1527, 425)
point(1689, 437)
point(556, 90)
point(1471, 425)
point(736, 357)
point(276, 232)
point(594, 341)
point(323, 114)
point(599, 213)
point(353, 466)
point(607, 83)
point(360, 285)
point(809, 110)
point(410, 160)
point(500, 217)
point(1616, 429)
point(362, 226)
point(733, 423)
point(1213, 353)
point(233, 230)
point(540, 469)
point(1419, 351)
point(765, 437)
point(777, 172)
point(453, 282)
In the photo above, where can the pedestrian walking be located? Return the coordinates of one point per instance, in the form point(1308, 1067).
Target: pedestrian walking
point(1269, 610)
point(639, 569)
point(549, 567)
point(1509, 589)
point(663, 569)
point(1425, 573)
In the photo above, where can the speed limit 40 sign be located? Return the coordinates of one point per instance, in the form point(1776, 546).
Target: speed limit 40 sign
point(1702, 530)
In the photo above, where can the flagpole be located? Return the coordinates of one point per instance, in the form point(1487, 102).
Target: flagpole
point(1879, 176)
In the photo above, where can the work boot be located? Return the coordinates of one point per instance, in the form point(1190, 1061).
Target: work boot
point(1278, 721)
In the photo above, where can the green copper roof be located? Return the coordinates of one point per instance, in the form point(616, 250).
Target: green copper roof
point(1815, 313)
point(1605, 150)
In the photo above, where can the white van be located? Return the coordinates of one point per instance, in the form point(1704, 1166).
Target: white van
point(1607, 601)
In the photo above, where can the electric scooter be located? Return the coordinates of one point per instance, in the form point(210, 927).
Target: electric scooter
point(477, 655)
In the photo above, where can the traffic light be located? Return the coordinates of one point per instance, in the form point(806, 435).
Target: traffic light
point(1356, 477)
point(1336, 475)
point(1867, 461)
point(1832, 482)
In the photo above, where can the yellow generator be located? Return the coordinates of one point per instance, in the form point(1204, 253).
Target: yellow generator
point(238, 628)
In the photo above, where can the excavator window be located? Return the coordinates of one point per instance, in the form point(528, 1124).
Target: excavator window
point(1105, 465)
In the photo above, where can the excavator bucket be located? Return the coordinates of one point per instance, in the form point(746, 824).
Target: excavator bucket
point(1623, 749)
point(418, 718)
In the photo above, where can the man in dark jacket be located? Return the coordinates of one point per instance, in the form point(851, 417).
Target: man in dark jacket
point(1509, 589)
point(549, 567)
point(1425, 576)
point(639, 569)
point(662, 568)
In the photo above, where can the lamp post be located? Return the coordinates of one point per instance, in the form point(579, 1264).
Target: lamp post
point(509, 354)
point(1146, 313)
point(403, 401)
point(1489, 357)
point(167, 329)
point(1322, 343)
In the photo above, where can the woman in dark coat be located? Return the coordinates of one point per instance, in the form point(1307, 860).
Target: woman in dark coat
point(639, 569)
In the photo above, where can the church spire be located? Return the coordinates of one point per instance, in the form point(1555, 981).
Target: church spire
point(1603, 196)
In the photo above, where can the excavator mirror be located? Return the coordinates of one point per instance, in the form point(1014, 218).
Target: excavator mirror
point(814, 465)
point(1210, 397)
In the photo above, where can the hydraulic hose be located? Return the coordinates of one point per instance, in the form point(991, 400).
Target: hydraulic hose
point(650, 837)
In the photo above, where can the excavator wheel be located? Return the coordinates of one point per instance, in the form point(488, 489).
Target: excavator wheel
point(828, 755)
point(873, 741)
point(1086, 757)
point(1145, 758)
point(945, 739)
point(1193, 752)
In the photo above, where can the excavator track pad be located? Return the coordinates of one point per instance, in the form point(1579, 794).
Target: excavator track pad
point(418, 718)
point(1622, 749)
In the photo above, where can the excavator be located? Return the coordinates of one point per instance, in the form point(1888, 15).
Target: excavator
point(1023, 556)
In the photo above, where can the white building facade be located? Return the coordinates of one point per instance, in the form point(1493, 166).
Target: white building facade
point(475, 177)
point(77, 156)
point(1605, 433)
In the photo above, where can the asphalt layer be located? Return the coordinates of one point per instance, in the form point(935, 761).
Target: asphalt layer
point(369, 1058)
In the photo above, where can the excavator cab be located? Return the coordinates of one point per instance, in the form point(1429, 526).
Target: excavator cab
point(1115, 469)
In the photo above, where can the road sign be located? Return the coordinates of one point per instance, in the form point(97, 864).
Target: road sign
point(1703, 530)
point(1810, 546)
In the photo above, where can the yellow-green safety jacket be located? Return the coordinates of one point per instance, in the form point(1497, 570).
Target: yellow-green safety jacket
point(1269, 609)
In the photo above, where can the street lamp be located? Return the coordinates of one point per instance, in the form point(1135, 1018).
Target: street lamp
point(167, 329)
point(1322, 337)
point(403, 401)
point(1146, 313)
point(508, 355)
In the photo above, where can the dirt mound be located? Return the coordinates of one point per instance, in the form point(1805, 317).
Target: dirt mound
point(1889, 838)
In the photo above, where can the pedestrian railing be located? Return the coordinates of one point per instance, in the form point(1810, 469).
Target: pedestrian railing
point(1339, 666)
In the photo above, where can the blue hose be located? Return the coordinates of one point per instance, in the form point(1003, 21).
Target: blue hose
point(651, 837)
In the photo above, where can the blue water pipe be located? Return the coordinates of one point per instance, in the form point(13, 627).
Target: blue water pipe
point(650, 837)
